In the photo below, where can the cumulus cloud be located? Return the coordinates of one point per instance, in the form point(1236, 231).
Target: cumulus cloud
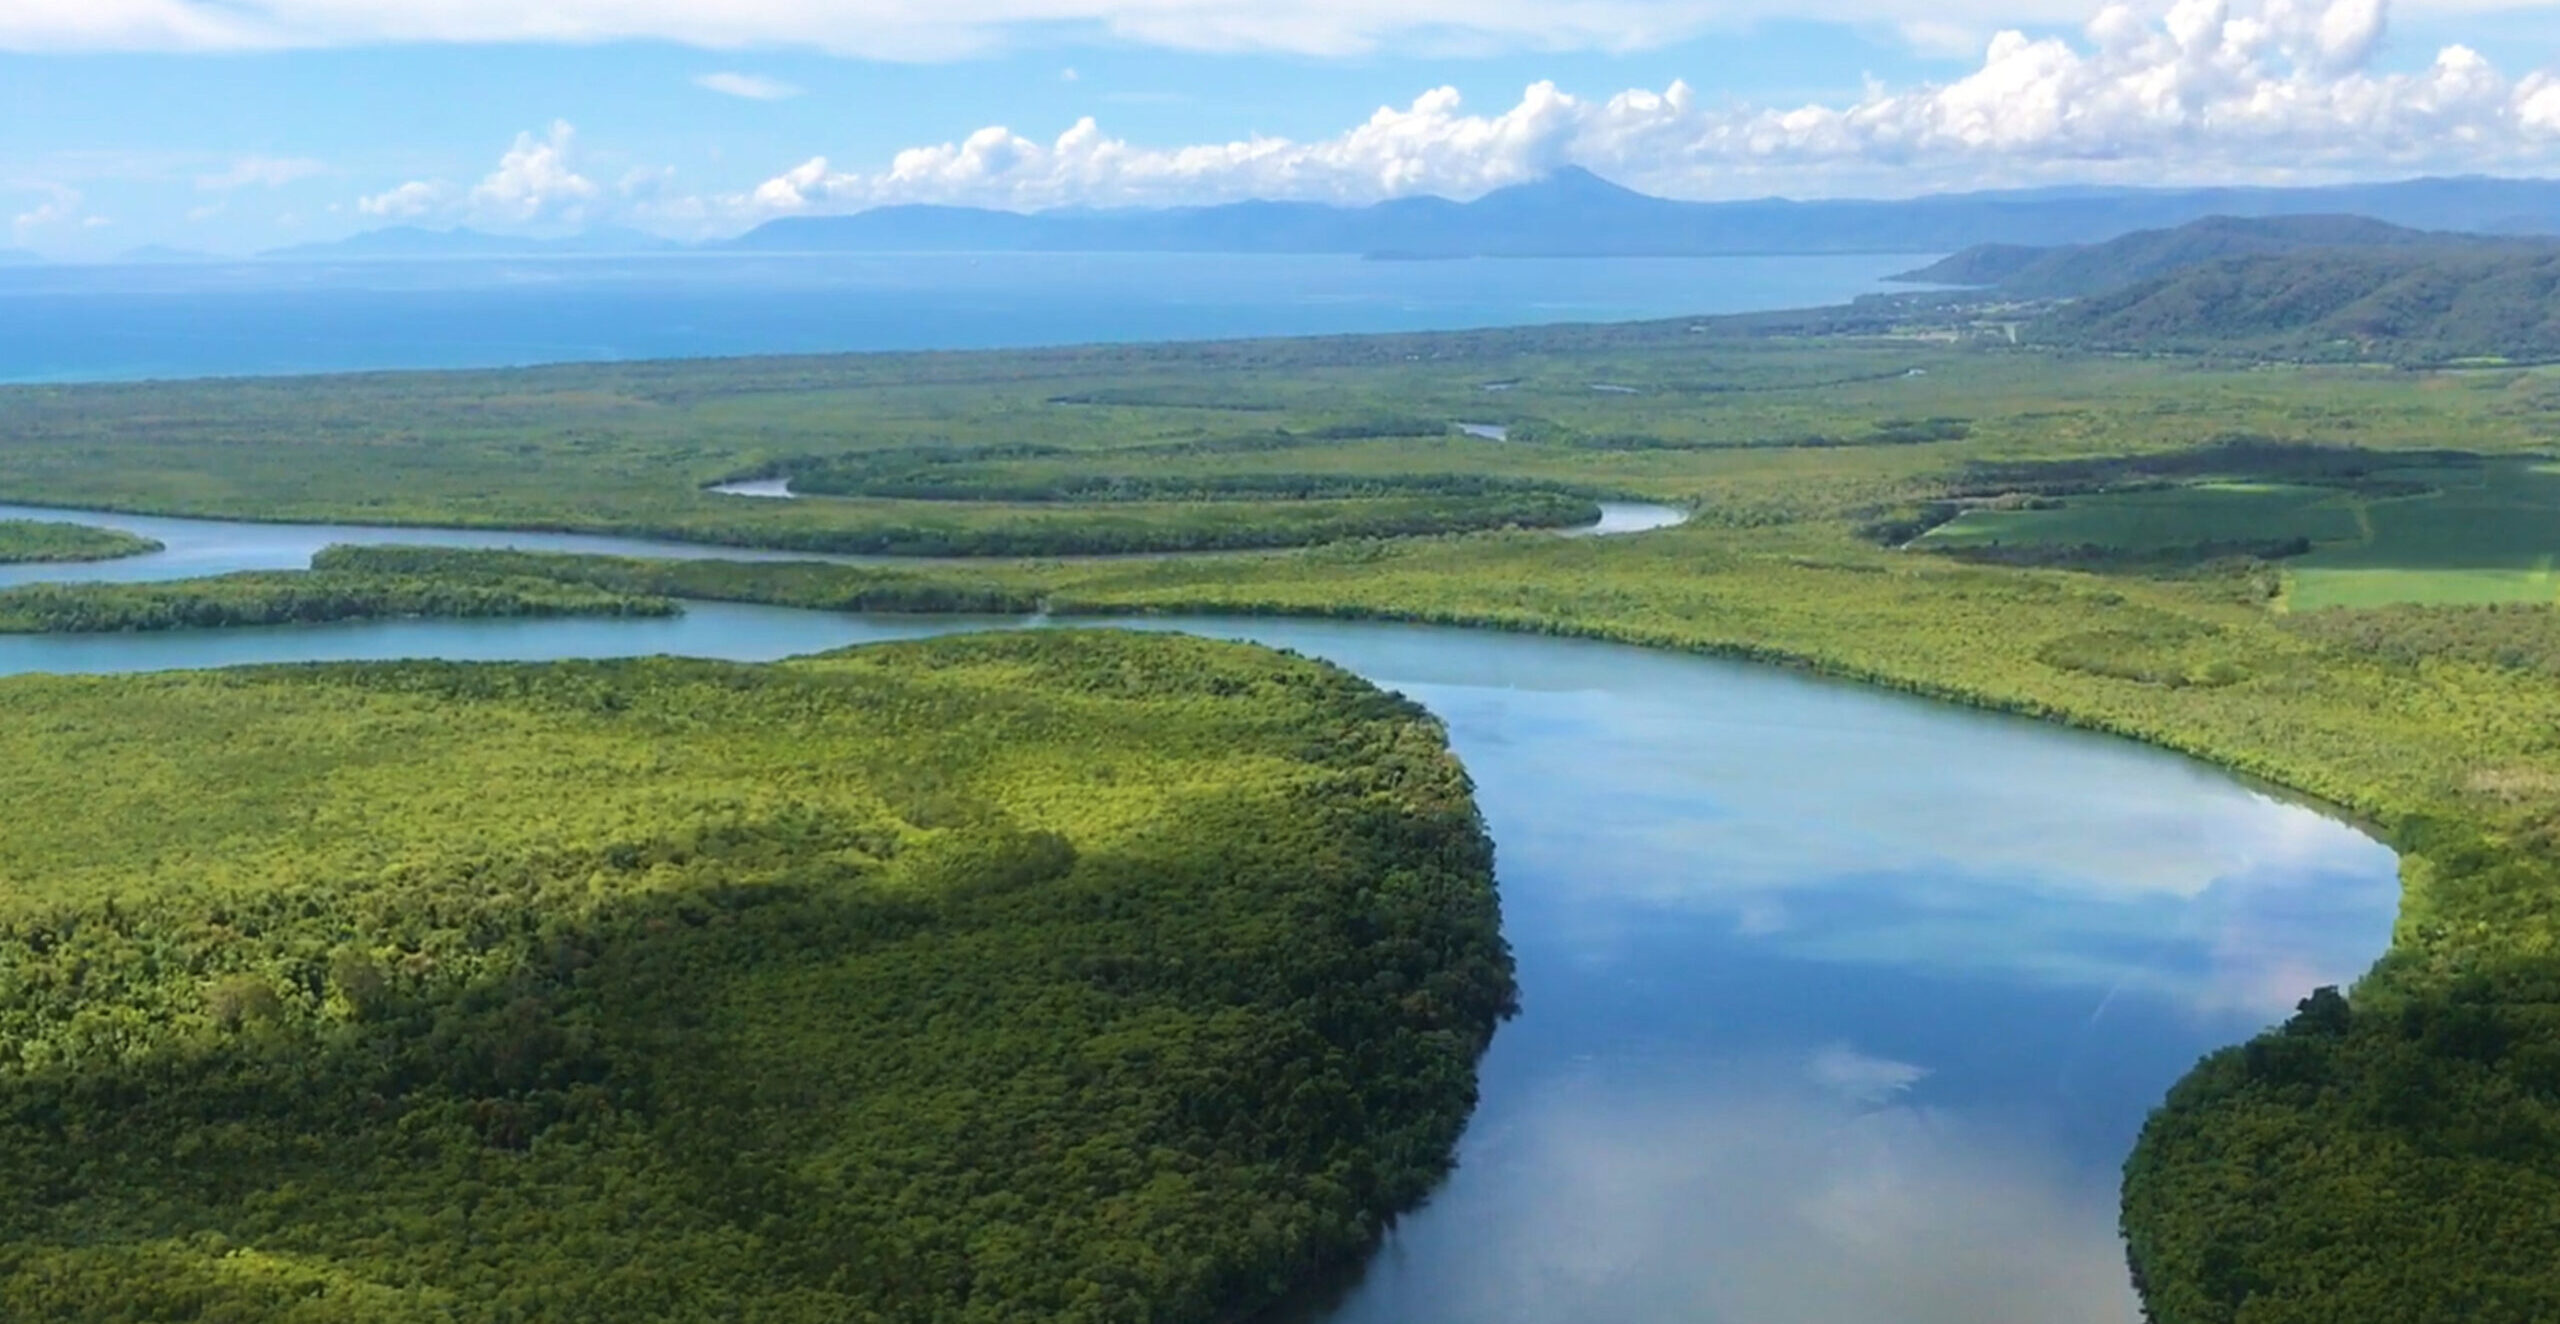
point(2538, 105)
point(2216, 89)
point(260, 172)
point(534, 181)
point(418, 197)
point(752, 87)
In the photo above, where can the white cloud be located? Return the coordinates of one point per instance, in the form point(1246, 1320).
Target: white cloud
point(902, 29)
point(61, 207)
point(2538, 105)
point(2201, 89)
point(409, 201)
point(87, 25)
point(261, 172)
point(752, 87)
point(534, 182)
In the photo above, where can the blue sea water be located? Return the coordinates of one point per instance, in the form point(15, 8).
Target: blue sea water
point(121, 323)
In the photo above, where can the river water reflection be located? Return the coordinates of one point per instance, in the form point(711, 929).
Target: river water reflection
point(1840, 1007)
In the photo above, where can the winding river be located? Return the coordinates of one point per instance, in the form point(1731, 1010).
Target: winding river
point(1840, 1007)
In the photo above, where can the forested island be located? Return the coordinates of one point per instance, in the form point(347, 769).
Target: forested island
point(25, 541)
point(296, 598)
point(1059, 976)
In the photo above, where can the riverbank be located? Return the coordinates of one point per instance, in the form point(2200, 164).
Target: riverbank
point(2442, 756)
point(1753, 911)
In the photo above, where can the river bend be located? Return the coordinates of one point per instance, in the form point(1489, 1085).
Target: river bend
point(1840, 1007)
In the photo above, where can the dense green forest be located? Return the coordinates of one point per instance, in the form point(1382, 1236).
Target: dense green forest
point(2415, 306)
point(22, 541)
point(292, 598)
point(2077, 270)
point(816, 585)
point(1059, 976)
point(1820, 453)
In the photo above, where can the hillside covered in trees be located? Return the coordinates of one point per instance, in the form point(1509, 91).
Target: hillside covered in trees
point(2071, 271)
point(2415, 307)
point(1057, 976)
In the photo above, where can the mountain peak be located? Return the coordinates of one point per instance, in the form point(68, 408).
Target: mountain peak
point(1570, 181)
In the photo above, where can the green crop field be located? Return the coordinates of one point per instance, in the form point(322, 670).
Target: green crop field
point(2160, 520)
point(2480, 535)
point(2482, 532)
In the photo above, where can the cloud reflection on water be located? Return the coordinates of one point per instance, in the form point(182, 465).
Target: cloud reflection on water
point(1852, 827)
point(1841, 1008)
point(1755, 1193)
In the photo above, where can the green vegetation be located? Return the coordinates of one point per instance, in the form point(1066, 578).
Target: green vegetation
point(1060, 976)
point(1113, 527)
point(2281, 1162)
point(2411, 306)
point(815, 585)
point(2391, 1160)
point(2359, 528)
point(22, 541)
point(2160, 519)
point(291, 598)
point(2076, 270)
point(2510, 636)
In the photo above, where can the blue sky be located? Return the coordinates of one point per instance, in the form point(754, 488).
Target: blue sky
point(252, 123)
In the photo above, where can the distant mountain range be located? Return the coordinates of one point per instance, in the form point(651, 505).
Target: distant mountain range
point(163, 255)
point(1574, 213)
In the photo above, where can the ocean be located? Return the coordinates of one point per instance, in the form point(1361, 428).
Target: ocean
point(124, 323)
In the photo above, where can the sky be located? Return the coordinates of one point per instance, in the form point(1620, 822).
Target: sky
point(235, 126)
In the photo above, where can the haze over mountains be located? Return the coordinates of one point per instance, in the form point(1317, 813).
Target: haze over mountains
point(1576, 213)
point(1571, 213)
point(2426, 270)
point(409, 241)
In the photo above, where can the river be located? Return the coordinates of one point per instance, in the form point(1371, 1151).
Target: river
point(1839, 1006)
point(195, 547)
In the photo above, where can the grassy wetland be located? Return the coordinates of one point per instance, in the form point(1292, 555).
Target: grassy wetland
point(2331, 577)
